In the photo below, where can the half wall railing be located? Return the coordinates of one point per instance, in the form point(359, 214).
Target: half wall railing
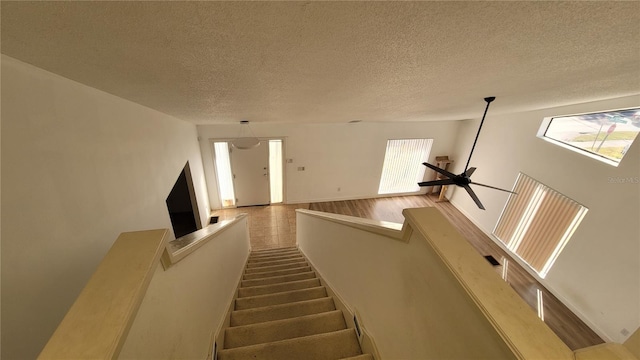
point(147, 289)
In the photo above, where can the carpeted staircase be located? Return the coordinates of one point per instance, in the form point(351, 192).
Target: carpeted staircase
point(283, 312)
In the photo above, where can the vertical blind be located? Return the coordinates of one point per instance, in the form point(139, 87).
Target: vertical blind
point(537, 223)
point(402, 169)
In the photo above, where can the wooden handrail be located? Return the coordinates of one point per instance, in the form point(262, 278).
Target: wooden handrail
point(180, 248)
point(98, 322)
point(385, 228)
point(519, 327)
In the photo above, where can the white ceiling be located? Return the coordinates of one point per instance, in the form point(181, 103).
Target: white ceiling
point(216, 62)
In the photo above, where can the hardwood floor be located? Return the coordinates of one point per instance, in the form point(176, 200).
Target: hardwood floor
point(573, 331)
point(274, 226)
point(386, 209)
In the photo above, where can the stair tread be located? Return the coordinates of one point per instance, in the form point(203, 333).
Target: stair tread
point(332, 345)
point(263, 264)
point(283, 247)
point(252, 276)
point(281, 311)
point(275, 262)
point(251, 302)
point(265, 251)
point(274, 267)
point(274, 257)
point(279, 253)
point(283, 329)
point(276, 288)
point(278, 279)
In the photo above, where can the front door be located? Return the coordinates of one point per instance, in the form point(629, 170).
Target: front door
point(251, 174)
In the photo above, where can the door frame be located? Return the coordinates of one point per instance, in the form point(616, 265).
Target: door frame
point(284, 167)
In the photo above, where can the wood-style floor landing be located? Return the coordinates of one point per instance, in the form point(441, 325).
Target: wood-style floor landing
point(274, 226)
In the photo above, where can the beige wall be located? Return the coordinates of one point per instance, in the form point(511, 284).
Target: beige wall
point(345, 156)
point(186, 304)
point(598, 272)
point(408, 300)
point(79, 166)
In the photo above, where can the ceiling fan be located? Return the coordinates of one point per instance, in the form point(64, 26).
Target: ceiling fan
point(464, 179)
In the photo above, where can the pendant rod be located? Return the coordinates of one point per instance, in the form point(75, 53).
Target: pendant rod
point(488, 100)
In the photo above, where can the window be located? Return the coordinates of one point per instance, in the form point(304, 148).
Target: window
point(402, 169)
point(223, 169)
point(605, 136)
point(275, 170)
point(537, 223)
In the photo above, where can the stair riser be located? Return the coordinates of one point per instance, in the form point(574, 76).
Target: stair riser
point(278, 312)
point(283, 312)
point(283, 329)
point(276, 273)
point(334, 345)
point(280, 298)
point(275, 252)
point(274, 268)
point(280, 253)
point(269, 251)
point(253, 259)
point(272, 289)
point(278, 279)
point(274, 258)
point(273, 263)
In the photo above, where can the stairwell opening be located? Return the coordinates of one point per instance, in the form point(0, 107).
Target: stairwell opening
point(182, 205)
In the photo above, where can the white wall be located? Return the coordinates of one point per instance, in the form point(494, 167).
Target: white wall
point(408, 300)
point(79, 167)
point(598, 273)
point(345, 156)
point(187, 303)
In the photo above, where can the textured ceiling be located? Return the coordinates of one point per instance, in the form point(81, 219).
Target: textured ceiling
point(216, 62)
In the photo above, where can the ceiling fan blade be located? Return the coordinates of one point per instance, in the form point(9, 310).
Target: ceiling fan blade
point(441, 171)
point(493, 187)
point(470, 171)
point(437, 182)
point(488, 100)
point(473, 196)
